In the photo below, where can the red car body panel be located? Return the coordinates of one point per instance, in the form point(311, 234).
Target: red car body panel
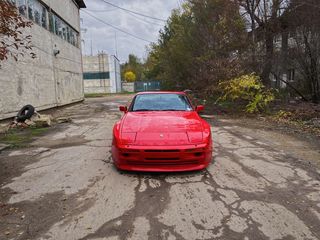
point(162, 141)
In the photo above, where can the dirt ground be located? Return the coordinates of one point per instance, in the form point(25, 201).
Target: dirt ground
point(262, 184)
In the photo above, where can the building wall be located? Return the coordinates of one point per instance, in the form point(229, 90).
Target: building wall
point(101, 74)
point(96, 74)
point(48, 80)
point(128, 87)
point(115, 74)
point(97, 86)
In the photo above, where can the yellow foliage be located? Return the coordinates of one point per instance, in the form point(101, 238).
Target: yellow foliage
point(130, 76)
point(247, 88)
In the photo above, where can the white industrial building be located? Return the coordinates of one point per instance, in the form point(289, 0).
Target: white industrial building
point(101, 74)
point(55, 76)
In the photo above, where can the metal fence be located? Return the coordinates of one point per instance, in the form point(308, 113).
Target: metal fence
point(147, 86)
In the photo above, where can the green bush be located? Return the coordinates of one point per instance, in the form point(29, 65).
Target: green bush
point(247, 89)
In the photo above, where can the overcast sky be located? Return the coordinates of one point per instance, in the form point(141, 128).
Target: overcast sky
point(103, 36)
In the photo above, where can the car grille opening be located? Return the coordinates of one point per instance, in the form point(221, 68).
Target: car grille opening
point(162, 151)
point(130, 150)
point(163, 163)
point(198, 154)
point(195, 150)
point(164, 159)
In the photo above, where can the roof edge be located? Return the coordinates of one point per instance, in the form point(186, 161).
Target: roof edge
point(81, 3)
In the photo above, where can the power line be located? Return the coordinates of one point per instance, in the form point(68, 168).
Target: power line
point(145, 21)
point(178, 3)
point(102, 10)
point(134, 12)
point(119, 29)
point(133, 15)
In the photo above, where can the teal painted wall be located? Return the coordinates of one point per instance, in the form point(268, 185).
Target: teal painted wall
point(95, 76)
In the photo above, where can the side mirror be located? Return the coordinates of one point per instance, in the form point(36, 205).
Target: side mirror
point(123, 108)
point(199, 108)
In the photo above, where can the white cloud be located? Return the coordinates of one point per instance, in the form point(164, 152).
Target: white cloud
point(103, 36)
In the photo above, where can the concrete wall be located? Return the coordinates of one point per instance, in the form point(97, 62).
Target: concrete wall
point(128, 87)
point(97, 86)
point(95, 65)
point(101, 74)
point(115, 74)
point(46, 81)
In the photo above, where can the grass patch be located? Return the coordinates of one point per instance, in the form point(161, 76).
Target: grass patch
point(20, 138)
point(98, 95)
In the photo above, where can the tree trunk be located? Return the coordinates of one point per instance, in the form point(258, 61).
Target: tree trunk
point(291, 86)
point(284, 55)
point(313, 71)
point(268, 58)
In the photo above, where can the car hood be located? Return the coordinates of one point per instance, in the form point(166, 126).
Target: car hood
point(162, 128)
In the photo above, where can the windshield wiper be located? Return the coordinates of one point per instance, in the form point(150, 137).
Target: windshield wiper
point(143, 110)
point(172, 110)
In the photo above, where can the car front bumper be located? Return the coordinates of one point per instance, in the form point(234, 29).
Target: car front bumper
point(162, 158)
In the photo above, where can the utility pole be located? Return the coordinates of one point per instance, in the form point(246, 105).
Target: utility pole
point(84, 31)
point(116, 43)
point(91, 47)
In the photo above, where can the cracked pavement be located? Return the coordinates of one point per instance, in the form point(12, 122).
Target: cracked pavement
point(64, 187)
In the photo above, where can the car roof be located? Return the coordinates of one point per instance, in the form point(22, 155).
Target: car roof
point(161, 92)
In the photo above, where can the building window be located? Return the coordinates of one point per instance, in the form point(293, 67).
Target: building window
point(44, 17)
point(22, 6)
point(51, 23)
point(30, 9)
point(13, 2)
point(37, 16)
point(73, 37)
point(291, 74)
point(57, 24)
point(63, 30)
point(38, 13)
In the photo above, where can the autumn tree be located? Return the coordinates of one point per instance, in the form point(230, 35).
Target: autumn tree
point(200, 45)
point(264, 23)
point(135, 65)
point(130, 76)
point(172, 56)
point(13, 41)
point(304, 20)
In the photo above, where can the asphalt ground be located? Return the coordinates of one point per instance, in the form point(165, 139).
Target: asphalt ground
point(260, 185)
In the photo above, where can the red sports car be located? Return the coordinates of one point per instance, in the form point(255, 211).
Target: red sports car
point(161, 132)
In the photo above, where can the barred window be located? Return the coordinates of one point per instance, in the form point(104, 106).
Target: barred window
point(22, 6)
point(38, 13)
point(13, 2)
point(44, 15)
point(51, 23)
point(30, 9)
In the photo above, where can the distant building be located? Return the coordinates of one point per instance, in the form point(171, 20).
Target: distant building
point(54, 78)
point(101, 74)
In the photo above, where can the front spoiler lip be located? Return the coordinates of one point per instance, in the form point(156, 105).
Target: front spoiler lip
point(160, 147)
point(156, 169)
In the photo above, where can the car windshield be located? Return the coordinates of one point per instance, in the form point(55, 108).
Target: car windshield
point(161, 102)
